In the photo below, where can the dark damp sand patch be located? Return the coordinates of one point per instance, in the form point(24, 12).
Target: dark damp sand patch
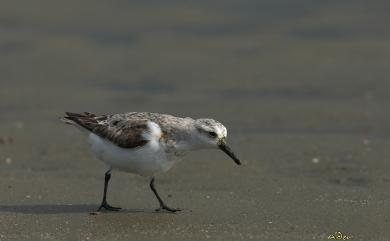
point(63, 209)
point(48, 209)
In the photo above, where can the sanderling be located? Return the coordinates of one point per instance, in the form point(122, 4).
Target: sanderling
point(146, 143)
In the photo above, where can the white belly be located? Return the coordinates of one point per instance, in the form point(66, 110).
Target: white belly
point(146, 160)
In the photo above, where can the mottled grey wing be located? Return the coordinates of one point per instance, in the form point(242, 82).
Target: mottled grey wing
point(125, 133)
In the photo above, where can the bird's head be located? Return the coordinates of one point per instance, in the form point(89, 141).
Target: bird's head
point(212, 134)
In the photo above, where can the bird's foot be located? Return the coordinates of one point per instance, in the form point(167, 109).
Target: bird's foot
point(165, 207)
point(108, 207)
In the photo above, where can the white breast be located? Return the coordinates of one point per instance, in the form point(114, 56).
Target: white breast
point(146, 160)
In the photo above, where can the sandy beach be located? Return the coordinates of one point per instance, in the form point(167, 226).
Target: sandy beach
point(302, 86)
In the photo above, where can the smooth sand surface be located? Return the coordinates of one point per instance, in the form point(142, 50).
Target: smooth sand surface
point(303, 87)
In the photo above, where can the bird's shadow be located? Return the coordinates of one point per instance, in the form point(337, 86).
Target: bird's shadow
point(61, 209)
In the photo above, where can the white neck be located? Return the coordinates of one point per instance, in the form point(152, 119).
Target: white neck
point(192, 142)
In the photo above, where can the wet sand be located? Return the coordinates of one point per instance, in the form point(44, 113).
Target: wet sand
point(303, 88)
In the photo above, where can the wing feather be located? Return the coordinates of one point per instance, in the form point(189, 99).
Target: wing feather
point(125, 133)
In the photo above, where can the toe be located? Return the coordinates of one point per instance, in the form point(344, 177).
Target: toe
point(108, 208)
point(173, 210)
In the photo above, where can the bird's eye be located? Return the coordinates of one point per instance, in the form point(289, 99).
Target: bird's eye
point(212, 134)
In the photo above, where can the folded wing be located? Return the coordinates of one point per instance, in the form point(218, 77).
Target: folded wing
point(125, 133)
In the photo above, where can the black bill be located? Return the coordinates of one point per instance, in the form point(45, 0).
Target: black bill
point(225, 148)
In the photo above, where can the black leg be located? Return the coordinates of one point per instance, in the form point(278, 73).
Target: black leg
point(162, 204)
point(104, 204)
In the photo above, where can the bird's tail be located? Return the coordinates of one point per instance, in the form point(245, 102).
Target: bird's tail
point(77, 119)
point(67, 121)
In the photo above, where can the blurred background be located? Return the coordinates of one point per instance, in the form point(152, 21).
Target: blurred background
point(303, 87)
